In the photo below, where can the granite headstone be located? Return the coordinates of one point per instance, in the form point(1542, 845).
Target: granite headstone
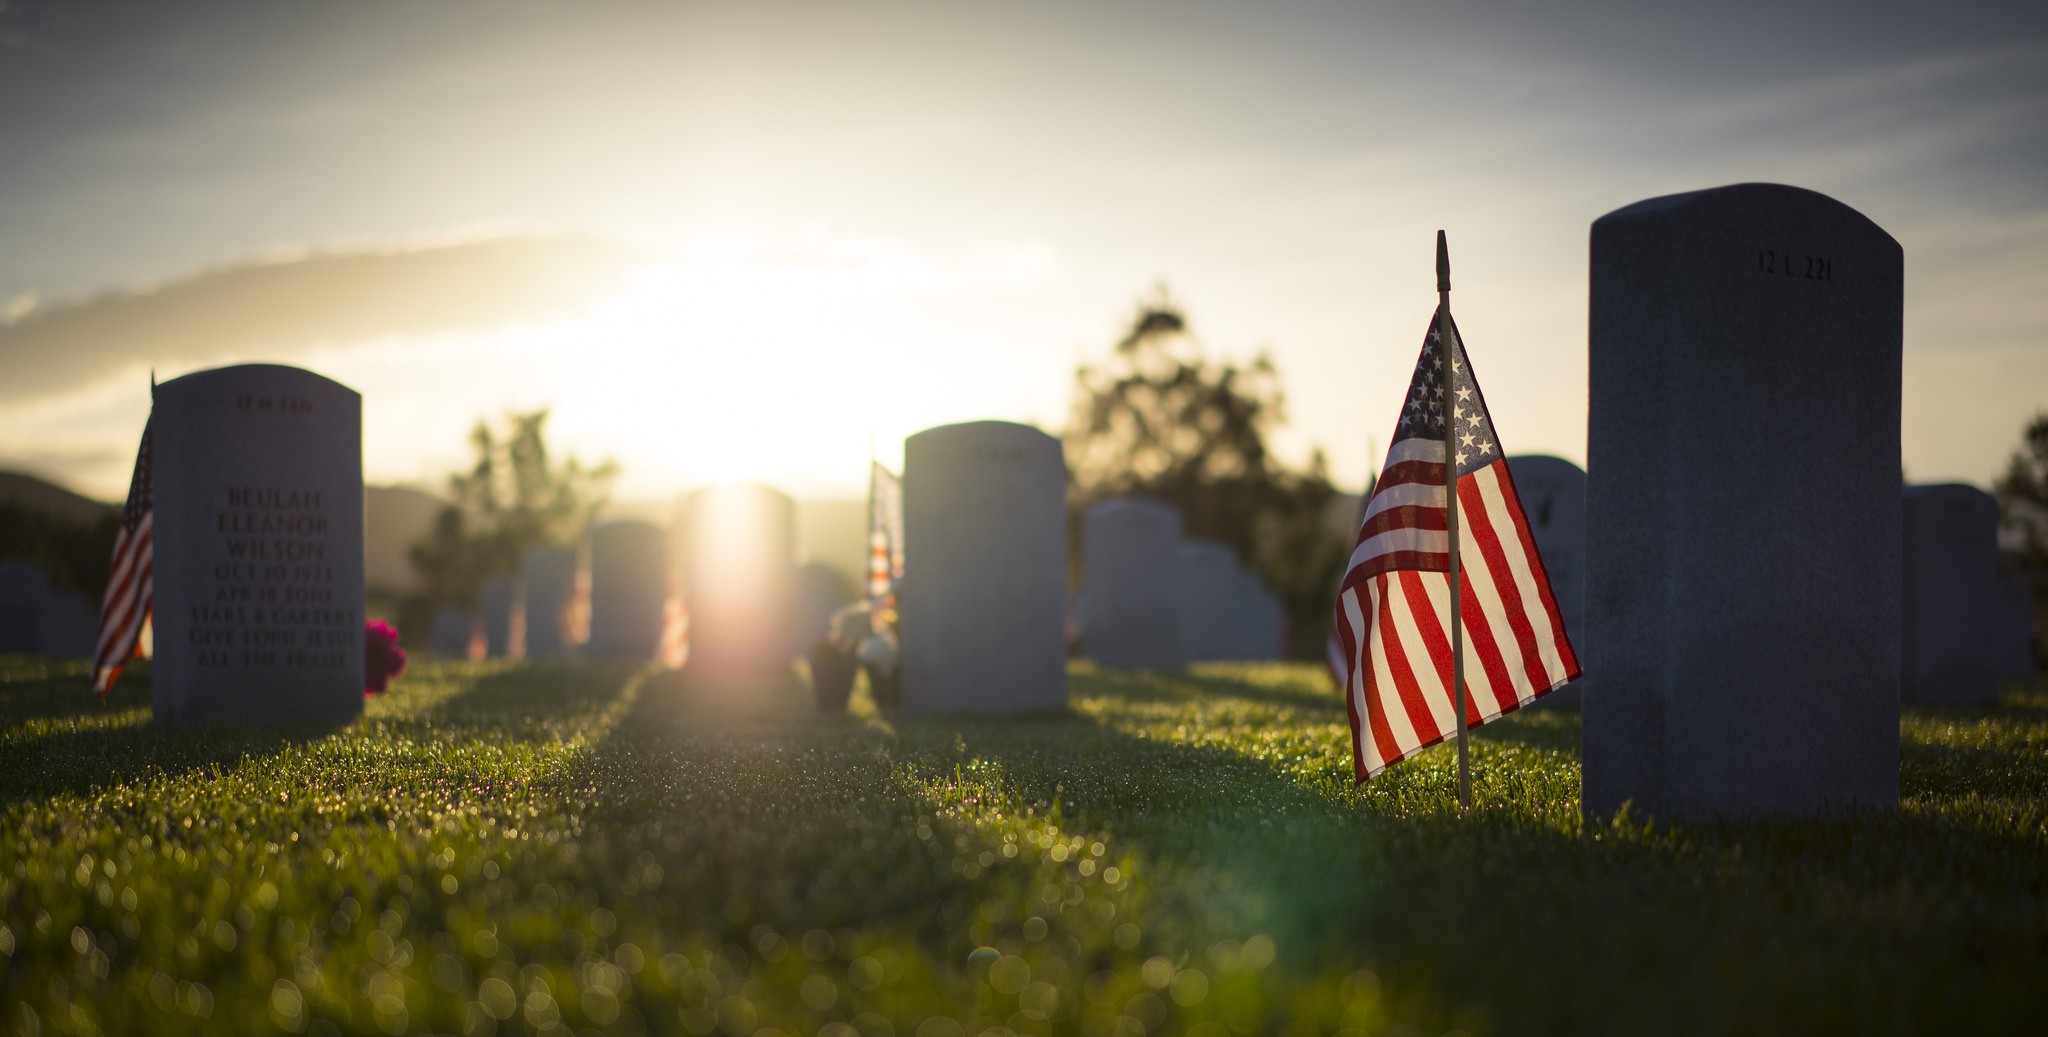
point(2015, 657)
point(257, 473)
point(984, 596)
point(496, 600)
point(1258, 621)
point(24, 598)
point(454, 634)
point(738, 578)
point(71, 626)
point(1742, 518)
point(1553, 495)
point(1129, 547)
point(547, 581)
point(1951, 617)
point(1206, 579)
point(629, 588)
point(819, 592)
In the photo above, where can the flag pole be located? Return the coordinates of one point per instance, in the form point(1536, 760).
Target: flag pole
point(1446, 339)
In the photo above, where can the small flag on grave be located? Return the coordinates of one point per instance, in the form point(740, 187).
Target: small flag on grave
point(885, 536)
point(1443, 594)
point(131, 581)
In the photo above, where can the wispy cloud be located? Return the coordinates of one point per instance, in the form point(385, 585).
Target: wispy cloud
point(281, 310)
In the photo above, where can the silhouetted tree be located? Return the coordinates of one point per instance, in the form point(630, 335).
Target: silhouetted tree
point(1162, 420)
point(514, 496)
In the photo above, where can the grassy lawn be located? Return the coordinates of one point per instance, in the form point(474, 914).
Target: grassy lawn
point(511, 849)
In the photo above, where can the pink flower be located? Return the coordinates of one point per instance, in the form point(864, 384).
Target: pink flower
point(382, 658)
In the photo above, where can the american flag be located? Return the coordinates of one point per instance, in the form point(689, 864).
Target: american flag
point(1333, 653)
point(1393, 608)
point(130, 585)
point(885, 536)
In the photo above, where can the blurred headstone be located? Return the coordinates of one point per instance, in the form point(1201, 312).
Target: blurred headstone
point(71, 626)
point(1258, 621)
point(1206, 579)
point(1129, 547)
point(738, 575)
point(24, 597)
point(258, 483)
point(2015, 657)
point(984, 598)
point(454, 633)
point(1553, 495)
point(629, 585)
point(495, 600)
point(1951, 606)
point(819, 592)
point(547, 580)
point(1742, 601)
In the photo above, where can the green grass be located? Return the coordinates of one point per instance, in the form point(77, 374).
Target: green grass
point(499, 850)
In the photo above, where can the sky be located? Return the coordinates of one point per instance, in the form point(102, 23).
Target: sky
point(729, 242)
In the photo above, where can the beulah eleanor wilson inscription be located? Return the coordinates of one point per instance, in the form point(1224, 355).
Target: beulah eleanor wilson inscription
point(273, 589)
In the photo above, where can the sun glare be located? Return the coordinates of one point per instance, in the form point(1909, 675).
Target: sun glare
point(777, 363)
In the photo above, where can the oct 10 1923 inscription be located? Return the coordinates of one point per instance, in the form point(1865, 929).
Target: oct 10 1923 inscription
point(259, 548)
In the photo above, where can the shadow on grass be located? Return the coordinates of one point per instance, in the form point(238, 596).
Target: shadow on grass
point(534, 700)
point(33, 688)
point(85, 758)
point(1172, 686)
point(764, 812)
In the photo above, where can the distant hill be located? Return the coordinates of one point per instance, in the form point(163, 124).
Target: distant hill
point(43, 497)
point(68, 536)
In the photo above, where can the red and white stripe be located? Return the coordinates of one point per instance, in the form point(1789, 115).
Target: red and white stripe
point(885, 535)
point(126, 607)
point(1393, 609)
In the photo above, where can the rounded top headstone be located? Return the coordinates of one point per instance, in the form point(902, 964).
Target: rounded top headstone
point(243, 374)
point(990, 435)
point(1955, 496)
point(1746, 199)
point(257, 520)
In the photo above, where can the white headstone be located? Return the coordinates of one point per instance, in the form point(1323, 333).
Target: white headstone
point(1742, 521)
point(455, 634)
point(819, 592)
point(258, 528)
point(1129, 546)
point(496, 597)
point(1206, 579)
point(1952, 614)
point(547, 579)
point(738, 578)
point(70, 627)
point(2015, 661)
point(629, 586)
point(24, 597)
point(984, 598)
point(1258, 621)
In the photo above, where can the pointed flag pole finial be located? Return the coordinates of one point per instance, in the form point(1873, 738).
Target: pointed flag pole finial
point(1443, 263)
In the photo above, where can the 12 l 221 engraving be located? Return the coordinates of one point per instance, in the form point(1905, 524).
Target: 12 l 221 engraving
point(1788, 264)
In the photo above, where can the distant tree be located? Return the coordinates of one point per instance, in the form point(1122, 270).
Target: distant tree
point(515, 496)
point(2022, 494)
point(1162, 420)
